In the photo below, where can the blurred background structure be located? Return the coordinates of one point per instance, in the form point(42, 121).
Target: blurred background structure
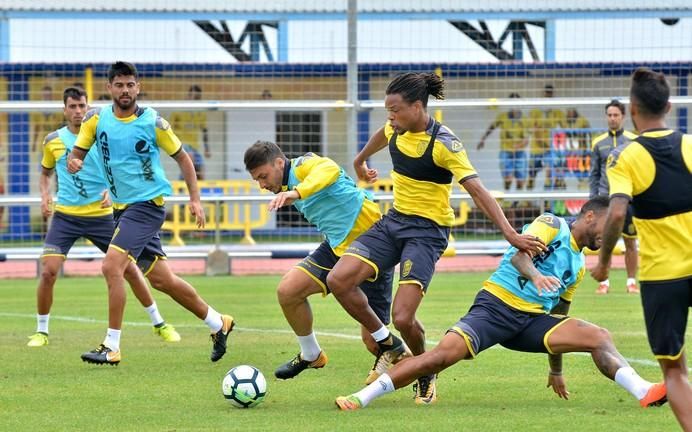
point(311, 75)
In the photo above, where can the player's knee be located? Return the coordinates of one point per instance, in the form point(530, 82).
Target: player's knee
point(601, 337)
point(337, 285)
point(111, 269)
point(160, 282)
point(287, 294)
point(49, 273)
point(403, 321)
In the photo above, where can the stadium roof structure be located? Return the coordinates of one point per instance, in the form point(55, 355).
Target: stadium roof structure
point(331, 9)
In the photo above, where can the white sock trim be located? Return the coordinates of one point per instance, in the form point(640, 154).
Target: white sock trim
point(309, 347)
point(112, 340)
point(42, 323)
point(628, 379)
point(213, 320)
point(377, 388)
point(154, 314)
point(381, 334)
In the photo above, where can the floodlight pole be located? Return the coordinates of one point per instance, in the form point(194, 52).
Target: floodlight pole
point(352, 84)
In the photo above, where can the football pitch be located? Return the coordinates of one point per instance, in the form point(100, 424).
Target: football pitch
point(167, 387)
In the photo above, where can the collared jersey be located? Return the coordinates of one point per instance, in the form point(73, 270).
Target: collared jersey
point(655, 172)
point(78, 194)
point(415, 194)
point(129, 152)
point(563, 260)
point(540, 124)
point(513, 131)
point(601, 146)
point(189, 127)
point(330, 199)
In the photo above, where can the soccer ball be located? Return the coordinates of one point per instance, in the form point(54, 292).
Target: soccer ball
point(244, 386)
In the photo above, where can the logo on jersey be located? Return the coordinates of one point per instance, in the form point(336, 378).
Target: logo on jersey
point(147, 170)
point(612, 161)
point(406, 269)
point(79, 184)
point(142, 147)
point(457, 146)
point(422, 146)
point(103, 140)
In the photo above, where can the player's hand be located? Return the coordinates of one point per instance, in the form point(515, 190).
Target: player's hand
point(207, 154)
point(557, 382)
point(197, 211)
point(530, 244)
point(365, 174)
point(47, 206)
point(74, 165)
point(283, 199)
point(106, 200)
point(545, 283)
point(600, 272)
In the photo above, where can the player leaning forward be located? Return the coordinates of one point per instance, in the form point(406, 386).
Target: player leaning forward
point(523, 307)
point(127, 138)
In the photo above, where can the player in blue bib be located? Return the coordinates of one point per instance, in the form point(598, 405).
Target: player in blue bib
point(523, 307)
point(126, 139)
point(82, 210)
point(329, 199)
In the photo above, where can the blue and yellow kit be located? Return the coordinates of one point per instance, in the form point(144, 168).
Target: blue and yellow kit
point(563, 260)
point(78, 194)
point(129, 152)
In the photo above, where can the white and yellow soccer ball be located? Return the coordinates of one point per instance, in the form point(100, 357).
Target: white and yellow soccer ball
point(244, 386)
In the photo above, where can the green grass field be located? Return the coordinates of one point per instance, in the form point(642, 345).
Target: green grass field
point(166, 387)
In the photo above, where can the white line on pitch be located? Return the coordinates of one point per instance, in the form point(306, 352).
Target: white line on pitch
point(642, 362)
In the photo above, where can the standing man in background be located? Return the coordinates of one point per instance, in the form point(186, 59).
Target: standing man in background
point(191, 128)
point(513, 142)
point(654, 173)
point(601, 148)
point(541, 123)
point(83, 210)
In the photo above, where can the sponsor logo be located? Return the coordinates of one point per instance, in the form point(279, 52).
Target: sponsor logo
point(142, 147)
point(147, 170)
point(105, 150)
point(79, 184)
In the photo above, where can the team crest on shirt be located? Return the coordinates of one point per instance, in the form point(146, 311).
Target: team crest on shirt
point(420, 149)
point(612, 161)
point(406, 269)
point(457, 146)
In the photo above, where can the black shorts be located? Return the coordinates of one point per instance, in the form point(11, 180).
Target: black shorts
point(137, 233)
point(666, 307)
point(490, 321)
point(414, 242)
point(66, 229)
point(629, 230)
point(379, 292)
